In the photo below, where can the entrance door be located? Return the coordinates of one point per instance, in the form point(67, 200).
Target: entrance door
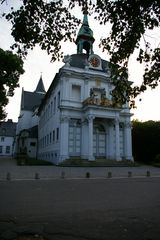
point(74, 138)
point(99, 141)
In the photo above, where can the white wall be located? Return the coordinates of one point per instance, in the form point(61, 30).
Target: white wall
point(48, 122)
point(8, 141)
point(24, 120)
point(32, 147)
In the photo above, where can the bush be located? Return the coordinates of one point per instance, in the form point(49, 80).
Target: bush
point(145, 139)
point(77, 162)
point(157, 158)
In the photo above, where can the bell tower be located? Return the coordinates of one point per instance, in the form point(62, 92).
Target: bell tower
point(85, 37)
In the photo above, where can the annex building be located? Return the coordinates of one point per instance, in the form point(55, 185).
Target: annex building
point(7, 138)
point(27, 126)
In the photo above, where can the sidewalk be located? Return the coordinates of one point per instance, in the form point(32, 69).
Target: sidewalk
point(10, 171)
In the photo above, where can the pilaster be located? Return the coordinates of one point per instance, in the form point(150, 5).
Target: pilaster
point(117, 140)
point(85, 141)
point(90, 119)
point(128, 141)
point(110, 142)
point(64, 130)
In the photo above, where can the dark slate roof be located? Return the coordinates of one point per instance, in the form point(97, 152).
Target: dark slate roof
point(49, 92)
point(33, 132)
point(8, 128)
point(31, 100)
point(40, 86)
point(85, 31)
point(79, 61)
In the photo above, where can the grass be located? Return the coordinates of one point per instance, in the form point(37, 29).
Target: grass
point(30, 237)
point(33, 162)
point(156, 164)
point(97, 163)
point(77, 162)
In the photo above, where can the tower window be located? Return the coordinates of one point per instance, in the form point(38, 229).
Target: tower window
point(86, 46)
point(3, 131)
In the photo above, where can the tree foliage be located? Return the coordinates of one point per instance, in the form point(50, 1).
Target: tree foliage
point(49, 23)
point(11, 67)
point(146, 139)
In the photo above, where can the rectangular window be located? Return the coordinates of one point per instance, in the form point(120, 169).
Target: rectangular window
point(47, 139)
point(43, 143)
point(7, 149)
point(76, 92)
point(45, 115)
point(54, 106)
point(33, 144)
point(50, 137)
point(53, 135)
point(58, 100)
point(49, 111)
point(51, 108)
point(1, 149)
point(43, 118)
point(2, 139)
point(57, 136)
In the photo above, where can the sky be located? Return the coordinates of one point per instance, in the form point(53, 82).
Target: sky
point(38, 62)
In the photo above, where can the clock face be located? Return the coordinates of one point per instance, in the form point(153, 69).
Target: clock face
point(94, 62)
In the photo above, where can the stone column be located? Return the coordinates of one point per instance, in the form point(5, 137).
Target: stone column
point(110, 154)
point(64, 131)
point(90, 138)
point(85, 141)
point(128, 141)
point(117, 140)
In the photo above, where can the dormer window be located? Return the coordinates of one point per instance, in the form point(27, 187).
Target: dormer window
point(3, 131)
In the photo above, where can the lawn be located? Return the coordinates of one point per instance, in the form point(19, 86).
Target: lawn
point(97, 163)
point(32, 162)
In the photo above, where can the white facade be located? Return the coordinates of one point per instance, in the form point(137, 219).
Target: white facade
point(6, 146)
point(73, 123)
point(24, 120)
point(7, 137)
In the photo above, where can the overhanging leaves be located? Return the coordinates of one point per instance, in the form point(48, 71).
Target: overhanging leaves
point(49, 23)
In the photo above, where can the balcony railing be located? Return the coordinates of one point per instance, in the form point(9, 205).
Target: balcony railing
point(105, 102)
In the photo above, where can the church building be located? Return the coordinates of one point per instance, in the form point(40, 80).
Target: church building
point(77, 116)
point(27, 126)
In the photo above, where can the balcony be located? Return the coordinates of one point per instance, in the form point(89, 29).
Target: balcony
point(104, 102)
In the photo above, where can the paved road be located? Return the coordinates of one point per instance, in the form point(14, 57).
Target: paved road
point(52, 172)
point(83, 209)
